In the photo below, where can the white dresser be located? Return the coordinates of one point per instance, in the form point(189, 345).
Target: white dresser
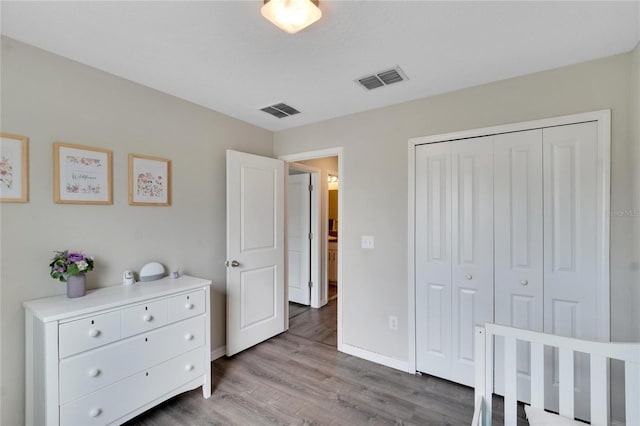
point(116, 352)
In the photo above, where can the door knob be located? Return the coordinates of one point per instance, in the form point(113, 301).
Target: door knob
point(524, 282)
point(233, 263)
point(468, 276)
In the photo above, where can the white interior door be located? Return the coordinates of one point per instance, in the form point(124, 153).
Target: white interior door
point(298, 238)
point(518, 245)
point(570, 248)
point(471, 250)
point(256, 308)
point(433, 258)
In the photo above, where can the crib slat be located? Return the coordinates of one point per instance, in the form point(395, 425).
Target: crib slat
point(566, 382)
point(489, 375)
point(537, 375)
point(632, 392)
point(510, 382)
point(480, 377)
point(599, 394)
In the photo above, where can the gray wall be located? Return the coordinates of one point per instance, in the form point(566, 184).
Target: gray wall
point(48, 98)
point(375, 174)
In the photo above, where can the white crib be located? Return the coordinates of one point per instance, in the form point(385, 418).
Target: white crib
point(599, 353)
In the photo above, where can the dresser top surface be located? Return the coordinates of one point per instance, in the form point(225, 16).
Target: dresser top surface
point(58, 308)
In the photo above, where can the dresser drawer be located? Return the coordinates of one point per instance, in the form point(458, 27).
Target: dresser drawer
point(93, 370)
point(186, 305)
point(141, 318)
point(88, 333)
point(111, 403)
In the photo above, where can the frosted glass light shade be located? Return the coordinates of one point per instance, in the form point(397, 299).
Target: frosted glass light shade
point(291, 15)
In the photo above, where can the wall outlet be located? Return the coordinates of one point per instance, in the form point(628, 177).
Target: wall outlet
point(368, 241)
point(393, 322)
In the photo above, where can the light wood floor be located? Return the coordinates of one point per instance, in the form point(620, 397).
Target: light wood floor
point(299, 378)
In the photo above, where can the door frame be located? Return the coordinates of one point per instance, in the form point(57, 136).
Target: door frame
point(312, 155)
point(603, 118)
point(316, 231)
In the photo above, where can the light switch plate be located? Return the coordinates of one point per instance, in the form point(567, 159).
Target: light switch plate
point(368, 241)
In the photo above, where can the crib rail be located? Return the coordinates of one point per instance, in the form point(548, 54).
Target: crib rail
point(599, 352)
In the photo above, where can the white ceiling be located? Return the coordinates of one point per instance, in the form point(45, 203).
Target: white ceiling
point(225, 56)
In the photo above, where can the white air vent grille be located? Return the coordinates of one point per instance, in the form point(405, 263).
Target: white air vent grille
point(383, 78)
point(280, 110)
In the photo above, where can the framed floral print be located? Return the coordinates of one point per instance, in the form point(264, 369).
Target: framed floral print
point(14, 175)
point(149, 181)
point(82, 174)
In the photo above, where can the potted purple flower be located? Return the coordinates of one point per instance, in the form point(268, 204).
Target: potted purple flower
point(70, 267)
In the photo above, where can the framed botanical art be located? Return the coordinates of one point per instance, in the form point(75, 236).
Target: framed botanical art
point(149, 181)
point(82, 174)
point(14, 176)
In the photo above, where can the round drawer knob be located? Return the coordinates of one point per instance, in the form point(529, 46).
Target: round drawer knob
point(188, 336)
point(94, 372)
point(189, 367)
point(524, 282)
point(147, 317)
point(468, 276)
point(95, 412)
point(188, 305)
point(93, 332)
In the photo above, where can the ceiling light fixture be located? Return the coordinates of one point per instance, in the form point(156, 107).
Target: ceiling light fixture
point(291, 15)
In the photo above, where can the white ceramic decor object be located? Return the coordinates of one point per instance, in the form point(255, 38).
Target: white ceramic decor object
point(152, 271)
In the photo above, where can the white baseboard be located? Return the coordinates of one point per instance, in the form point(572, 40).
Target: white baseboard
point(218, 353)
point(375, 357)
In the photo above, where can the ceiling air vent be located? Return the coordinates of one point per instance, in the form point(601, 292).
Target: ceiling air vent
point(280, 110)
point(383, 78)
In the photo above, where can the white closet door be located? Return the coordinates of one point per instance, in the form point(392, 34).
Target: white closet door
point(472, 249)
point(433, 259)
point(518, 245)
point(570, 251)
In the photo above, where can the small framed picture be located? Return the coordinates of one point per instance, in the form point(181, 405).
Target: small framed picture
point(14, 176)
point(149, 181)
point(82, 174)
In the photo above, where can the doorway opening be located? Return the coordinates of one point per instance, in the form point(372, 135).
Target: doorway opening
point(321, 321)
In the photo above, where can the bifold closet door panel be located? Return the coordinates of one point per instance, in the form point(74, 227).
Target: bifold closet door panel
point(570, 247)
point(433, 258)
point(472, 249)
point(518, 245)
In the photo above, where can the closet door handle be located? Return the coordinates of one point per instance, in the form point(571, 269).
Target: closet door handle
point(468, 276)
point(524, 282)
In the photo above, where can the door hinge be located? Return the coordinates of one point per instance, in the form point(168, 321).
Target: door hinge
point(310, 284)
point(310, 235)
point(310, 187)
